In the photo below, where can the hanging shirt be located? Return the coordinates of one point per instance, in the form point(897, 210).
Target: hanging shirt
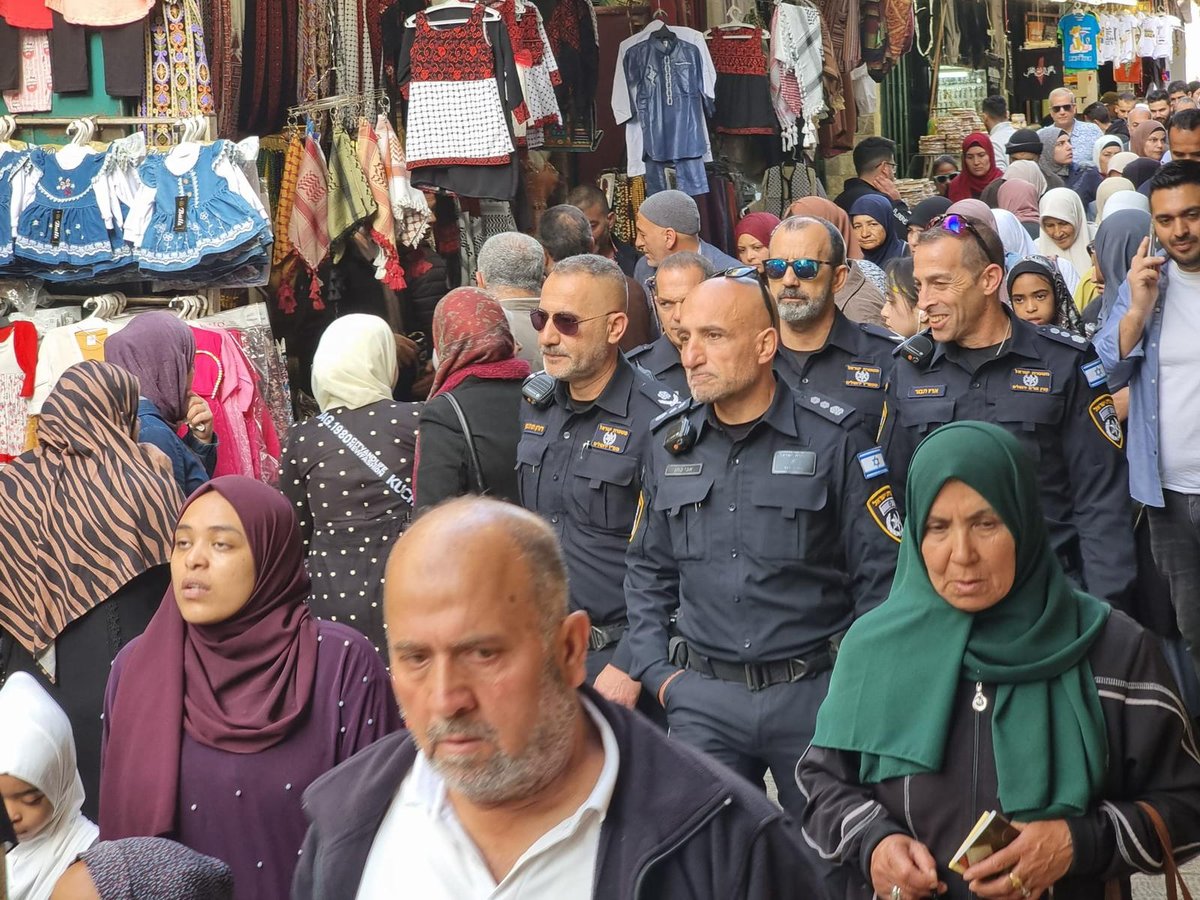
point(1148, 31)
point(1163, 30)
point(1107, 50)
point(1127, 28)
point(1079, 37)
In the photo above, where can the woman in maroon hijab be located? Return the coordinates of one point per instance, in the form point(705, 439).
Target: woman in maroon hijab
point(235, 698)
point(978, 171)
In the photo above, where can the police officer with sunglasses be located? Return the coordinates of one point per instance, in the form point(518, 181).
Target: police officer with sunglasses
point(1044, 384)
point(768, 525)
point(820, 349)
point(584, 436)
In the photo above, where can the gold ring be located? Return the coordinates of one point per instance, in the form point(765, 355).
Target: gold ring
point(1017, 885)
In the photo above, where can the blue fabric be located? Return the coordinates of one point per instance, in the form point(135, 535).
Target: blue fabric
point(721, 262)
point(9, 163)
point(192, 461)
point(665, 79)
point(690, 177)
point(1140, 371)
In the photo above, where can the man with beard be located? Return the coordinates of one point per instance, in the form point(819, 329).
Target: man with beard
point(584, 441)
point(513, 780)
point(820, 349)
point(1149, 340)
point(766, 528)
point(675, 277)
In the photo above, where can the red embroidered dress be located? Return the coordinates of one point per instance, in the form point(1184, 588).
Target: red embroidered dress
point(743, 101)
point(456, 116)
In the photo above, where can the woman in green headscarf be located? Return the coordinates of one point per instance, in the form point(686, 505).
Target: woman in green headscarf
point(986, 681)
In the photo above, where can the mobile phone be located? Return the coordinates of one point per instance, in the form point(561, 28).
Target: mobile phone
point(1155, 246)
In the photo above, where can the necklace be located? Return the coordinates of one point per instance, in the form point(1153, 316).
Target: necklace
point(1007, 335)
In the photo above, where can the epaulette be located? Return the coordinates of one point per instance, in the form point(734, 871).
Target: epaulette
point(1062, 336)
point(683, 406)
point(880, 332)
point(833, 410)
point(638, 351)
point(656, 391)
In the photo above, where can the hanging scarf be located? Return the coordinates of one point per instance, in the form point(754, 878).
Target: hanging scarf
point(1048, 736)
point(409, 208)
point(472, 338)
point(39, 749)
point(966, 186)
point(383, 225)
point(287, 199)
point(879, 208)
point(350, 201)
point(308, 230)
point(88, 477)
point(241, 686)
point(355, 363)
point(1066, 316)
point(178, 81)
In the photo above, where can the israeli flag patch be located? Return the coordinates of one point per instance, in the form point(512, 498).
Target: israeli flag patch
point(1094, 373)
point(872, 463)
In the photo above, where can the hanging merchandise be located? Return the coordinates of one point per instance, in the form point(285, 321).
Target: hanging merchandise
point(685, 112)
point(35, 93)
point(575, 42)
point(1080, 37)
point(383, 224)
point(410, 209)
point(18, 367)
point(178, 81)
point(743, 90)
point(308, 229)
point(797, 64)
point(1039, 71)
point(536, 67)
point(286, 201)
point(461, 82)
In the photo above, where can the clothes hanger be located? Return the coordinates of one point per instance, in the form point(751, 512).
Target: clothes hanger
point(733, 21)
point(489, 15)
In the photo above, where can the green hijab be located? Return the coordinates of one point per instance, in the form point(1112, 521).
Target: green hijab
point(1048, 735)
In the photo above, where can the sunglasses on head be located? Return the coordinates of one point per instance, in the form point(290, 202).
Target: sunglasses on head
point(567, 324)
point(1063, 107)
point(752, 272)
point(948, 176)
point(958, 225)
point(804, 268)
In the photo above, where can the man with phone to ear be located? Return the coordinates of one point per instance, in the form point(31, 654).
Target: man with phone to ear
point(1149, 341)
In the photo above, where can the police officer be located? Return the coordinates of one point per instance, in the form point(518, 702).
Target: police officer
point(820, 349)
point(768, 523)
point(1044, 385)
point(675, 277)
point(583, 445)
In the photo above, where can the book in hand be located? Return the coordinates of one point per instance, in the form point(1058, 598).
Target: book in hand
point(991, 833)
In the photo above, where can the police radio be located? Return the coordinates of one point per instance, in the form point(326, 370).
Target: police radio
point(538, 390)
point(681, 438)
point(918, 349)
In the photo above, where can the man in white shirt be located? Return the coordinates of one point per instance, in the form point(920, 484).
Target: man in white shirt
point(1083, 134)
point(995, 120)
point(513, 780)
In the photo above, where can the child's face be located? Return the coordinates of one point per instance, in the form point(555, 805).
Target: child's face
point(28, 808)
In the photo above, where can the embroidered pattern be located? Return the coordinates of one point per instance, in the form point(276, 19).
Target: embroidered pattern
point(737, 51)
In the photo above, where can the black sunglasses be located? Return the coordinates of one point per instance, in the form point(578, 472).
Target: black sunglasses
point(957, 225)
point(1063, 108)
point(752, 272)
point(804, 268)
point(567, 324)
point(948, 176)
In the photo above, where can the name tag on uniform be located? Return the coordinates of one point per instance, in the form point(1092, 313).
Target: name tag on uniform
point(794, 462)
point(611, 438)
point(927, 390)
point(534, 428)
point(859, 376)
point(683, 469)
point(1094, 373)
point(1031, 381)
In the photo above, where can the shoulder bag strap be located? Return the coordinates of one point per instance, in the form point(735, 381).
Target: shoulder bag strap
point(1170, 869)
point(472, 456)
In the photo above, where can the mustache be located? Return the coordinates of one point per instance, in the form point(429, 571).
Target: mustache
point(792, 293)
point(459, 728)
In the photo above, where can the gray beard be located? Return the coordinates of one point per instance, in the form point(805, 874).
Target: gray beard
point(800, 312)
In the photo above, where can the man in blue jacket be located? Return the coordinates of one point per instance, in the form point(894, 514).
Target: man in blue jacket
point(514, 780)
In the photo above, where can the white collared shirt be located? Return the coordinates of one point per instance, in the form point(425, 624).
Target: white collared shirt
point(422, 845)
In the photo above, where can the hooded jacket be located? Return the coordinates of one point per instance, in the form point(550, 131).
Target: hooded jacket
point(679, 825)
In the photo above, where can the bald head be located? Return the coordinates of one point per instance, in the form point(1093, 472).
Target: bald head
point(473, 541)
point(595, 281)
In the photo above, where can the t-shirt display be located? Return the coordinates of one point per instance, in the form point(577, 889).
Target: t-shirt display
point(1080, 33)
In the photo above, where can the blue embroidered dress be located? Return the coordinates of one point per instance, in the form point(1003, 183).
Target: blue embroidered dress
point(10, 163)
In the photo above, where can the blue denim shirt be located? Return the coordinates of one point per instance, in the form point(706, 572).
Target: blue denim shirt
point(1140, 371)
point(670, 101)
point(192, 461)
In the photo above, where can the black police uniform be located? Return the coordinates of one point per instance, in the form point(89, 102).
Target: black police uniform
point(852, 367)
point(1048, 388)
point(660, 358)
point(769, 540)
point(579, 466)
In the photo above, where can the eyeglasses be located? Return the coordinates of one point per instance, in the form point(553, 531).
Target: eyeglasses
point(567, 324)
point(1064, 108)
point(752, 272)
point(804, 268)
point(956, 225)
point(948, 176)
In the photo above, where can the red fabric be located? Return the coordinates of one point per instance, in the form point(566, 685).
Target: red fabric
point(966, 186)
point(759, 224)
point(240, 686)
point(25, 346)
point(472, 337)
point(32, 15)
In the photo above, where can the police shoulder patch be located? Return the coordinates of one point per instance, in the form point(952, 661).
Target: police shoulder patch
point(671, 414)
point(834, 410)
point(1094, 373)
point(886, 513)
point(872, 463)
point(1063, 336)
point(1103, 413)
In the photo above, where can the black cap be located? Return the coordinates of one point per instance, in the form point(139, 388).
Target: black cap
point(1024, 140)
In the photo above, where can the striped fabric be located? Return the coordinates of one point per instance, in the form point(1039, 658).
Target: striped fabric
point(86, 512)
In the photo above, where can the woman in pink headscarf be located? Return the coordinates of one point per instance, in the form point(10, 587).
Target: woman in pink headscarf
point(753, 237)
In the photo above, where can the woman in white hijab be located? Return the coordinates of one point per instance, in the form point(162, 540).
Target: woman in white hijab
point(1029, 171)
point(1065, 231)
point(41, 788)
point(1018, 245)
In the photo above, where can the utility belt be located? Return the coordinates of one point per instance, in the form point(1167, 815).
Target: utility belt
point(604, 636)
point(755, 676)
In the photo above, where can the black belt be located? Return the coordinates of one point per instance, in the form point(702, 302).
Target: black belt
point(604, 636)
point(756, 676)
